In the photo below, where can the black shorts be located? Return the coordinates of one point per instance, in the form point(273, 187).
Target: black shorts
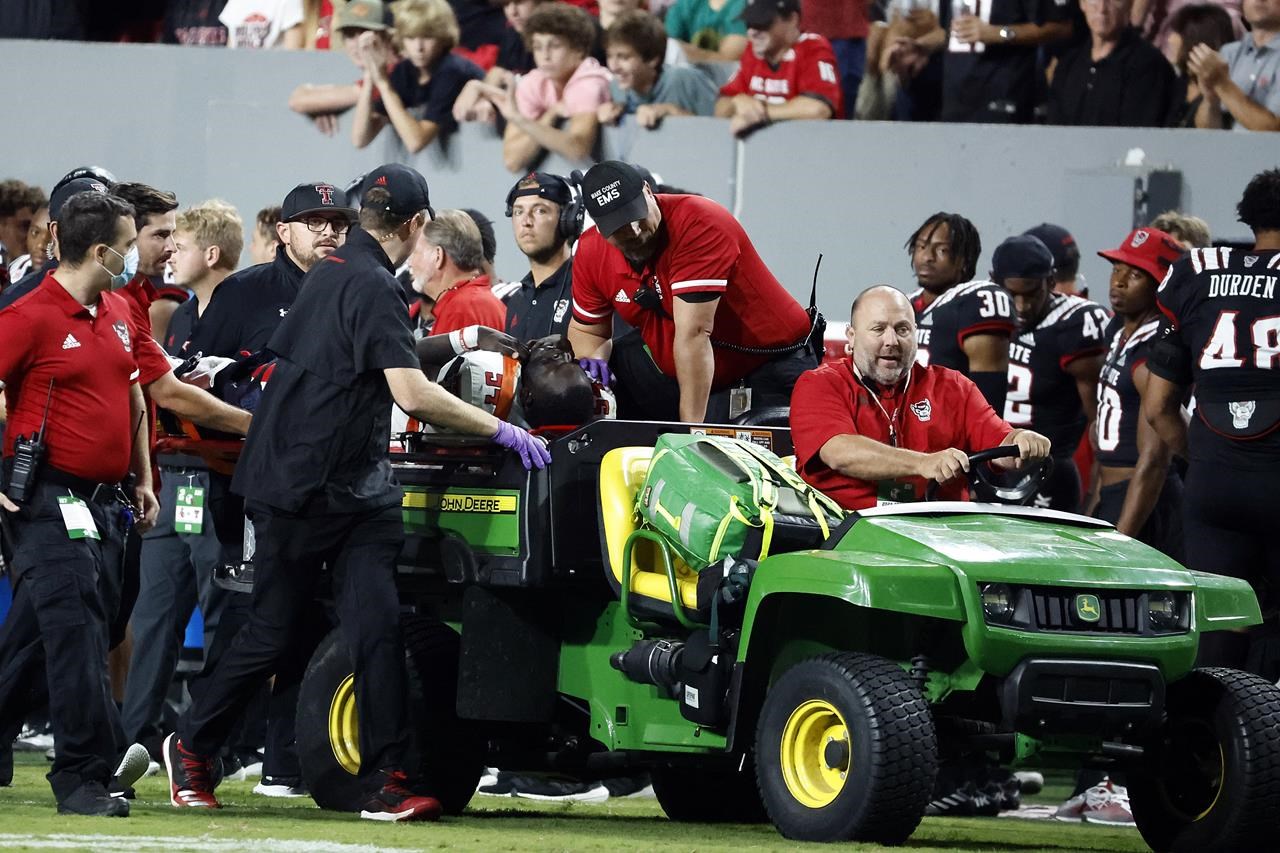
point(1163, 529)
point(1230, 523)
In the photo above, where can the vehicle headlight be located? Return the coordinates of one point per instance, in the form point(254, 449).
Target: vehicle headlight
point(1162, 611)
point(997, 602)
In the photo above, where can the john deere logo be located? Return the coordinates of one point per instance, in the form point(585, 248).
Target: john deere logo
point(1087, 608)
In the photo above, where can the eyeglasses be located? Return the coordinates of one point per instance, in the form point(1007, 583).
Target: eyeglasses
point(317, 224)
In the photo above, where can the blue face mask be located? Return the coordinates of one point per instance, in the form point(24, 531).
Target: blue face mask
point(130, 258)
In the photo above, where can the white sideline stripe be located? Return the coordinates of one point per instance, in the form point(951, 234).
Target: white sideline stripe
point(202, 843)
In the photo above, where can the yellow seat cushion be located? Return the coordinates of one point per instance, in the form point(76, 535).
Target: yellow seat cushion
point(622, 473)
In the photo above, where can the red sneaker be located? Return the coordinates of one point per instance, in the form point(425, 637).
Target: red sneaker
point(395, 802)
point(190, 776)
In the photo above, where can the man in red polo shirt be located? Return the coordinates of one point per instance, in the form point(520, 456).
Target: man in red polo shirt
point(68, 348)
point(785, 74)
point(878, 426)
point(681, 270)
point(446, 269)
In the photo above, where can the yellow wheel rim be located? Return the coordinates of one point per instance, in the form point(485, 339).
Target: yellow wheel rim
point(344, 726)
point(1222, 772)
point(815, 753)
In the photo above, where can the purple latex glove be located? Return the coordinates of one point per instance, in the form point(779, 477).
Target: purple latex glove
point(597, 369)
point(533, 450)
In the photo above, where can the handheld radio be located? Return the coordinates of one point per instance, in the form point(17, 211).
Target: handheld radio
point(28, 456)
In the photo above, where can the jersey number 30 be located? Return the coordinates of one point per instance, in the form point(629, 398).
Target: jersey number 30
point(1220, 351)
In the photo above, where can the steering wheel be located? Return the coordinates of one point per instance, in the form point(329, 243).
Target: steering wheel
point(982, 477)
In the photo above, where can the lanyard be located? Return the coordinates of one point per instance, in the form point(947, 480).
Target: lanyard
point(875, 397)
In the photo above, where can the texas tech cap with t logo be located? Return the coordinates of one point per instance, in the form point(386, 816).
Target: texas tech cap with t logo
point(310, 199)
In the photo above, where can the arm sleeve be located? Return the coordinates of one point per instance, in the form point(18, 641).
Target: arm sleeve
point(590, 306)
point(1168, 355)
point(816, 74)
point(677, 21)
point(1083, 336)
point(983, 428)
point(988, 309)
point(820, 411)
point(705, 252)
point(151, 360)
point(737, 84)
point(15, 331)
point(382, 336)
point(1171, 294)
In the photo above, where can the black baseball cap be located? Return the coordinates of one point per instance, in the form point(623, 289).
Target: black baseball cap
point(96, 173)
point(1022, 256)
point(613, 193)
point(760, 14)
point(407, 187)
point(1066, 254)
point(551, 187)
point(66, 190)
point(307, 199)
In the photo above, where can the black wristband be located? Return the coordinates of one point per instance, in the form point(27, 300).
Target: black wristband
point(993, 386)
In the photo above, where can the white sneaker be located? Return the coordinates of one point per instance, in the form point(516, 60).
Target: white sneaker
point(1029, 781)
point(133, 766)
point(34, 740)
point(597, 794)
point(273, 786)
point(1111, 809)
point(489, 777)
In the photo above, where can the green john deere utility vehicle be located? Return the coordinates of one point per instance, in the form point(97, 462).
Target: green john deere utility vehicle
point(547, 630)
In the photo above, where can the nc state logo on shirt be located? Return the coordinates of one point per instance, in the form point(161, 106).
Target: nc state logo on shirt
point(122, 332)
point(922, 410)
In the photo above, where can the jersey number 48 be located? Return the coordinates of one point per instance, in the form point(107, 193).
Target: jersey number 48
point(1220, 351)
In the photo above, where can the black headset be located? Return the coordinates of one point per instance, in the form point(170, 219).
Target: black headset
point(572, 212)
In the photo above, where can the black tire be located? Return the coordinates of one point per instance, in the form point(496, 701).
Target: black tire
point(1210, 778)
point(888, 752)
point(698, 795)
point(445, 755)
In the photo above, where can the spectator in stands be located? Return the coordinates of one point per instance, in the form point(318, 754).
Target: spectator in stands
point(265, 239)
point(194, 22)
point(785, 74)
point(553, 107)
point(1244, 79)
point(1191, 231)
point(642, 85)
point(446, 267)
point(513, 58)
point(1157, 19)
point(323, 103)
point(480, 24)
point(37, 245)
point(264, 24)
point(908, 57)
point(990, 72)
point(708, 30)
point(1117, 79)
point(1192, 25)
point(1066, 258)
point(418, 94)
point(844, 23)
point(612, 10)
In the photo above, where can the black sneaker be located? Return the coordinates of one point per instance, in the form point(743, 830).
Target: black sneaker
point(92, 799)
point(280, 786)
point(958, 802)
point(191, 776)
point(394, 801)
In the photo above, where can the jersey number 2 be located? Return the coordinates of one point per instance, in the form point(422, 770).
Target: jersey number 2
point(1220, 351)
point(1017, 402)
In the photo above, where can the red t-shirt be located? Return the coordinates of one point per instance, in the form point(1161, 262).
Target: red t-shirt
point(809, 69)
point(471, 303)
point(706, 251)
point(48, 335)
point(941, 408)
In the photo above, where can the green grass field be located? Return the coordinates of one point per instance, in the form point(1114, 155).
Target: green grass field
point(28, 821)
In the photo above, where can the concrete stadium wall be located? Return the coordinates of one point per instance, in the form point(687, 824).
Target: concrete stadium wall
point(207, 122)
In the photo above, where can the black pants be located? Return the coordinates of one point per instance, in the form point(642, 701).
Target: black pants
point(1230, 519)
point(1163, 528)
point(57, 631)
point(361, 551)
point(646, 393)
